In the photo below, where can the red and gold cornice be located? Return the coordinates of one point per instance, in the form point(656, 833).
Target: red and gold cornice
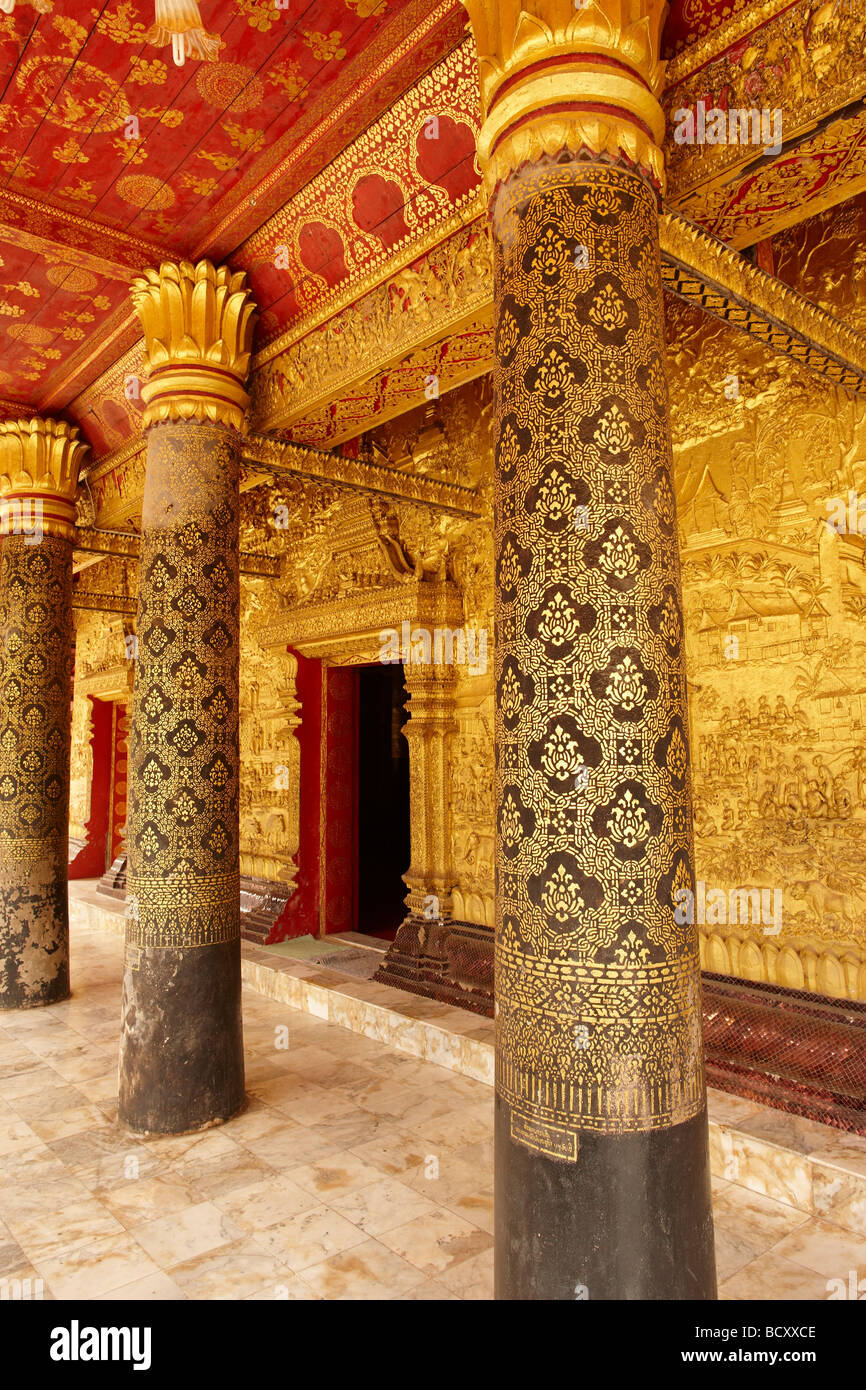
point(198, 331)
point(555, 77)
point(39, 464)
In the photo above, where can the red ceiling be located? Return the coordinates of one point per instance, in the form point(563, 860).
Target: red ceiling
point(221, 148)
point(70, 94)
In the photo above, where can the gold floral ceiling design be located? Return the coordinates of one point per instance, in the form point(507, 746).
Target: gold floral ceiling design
point(327, 149)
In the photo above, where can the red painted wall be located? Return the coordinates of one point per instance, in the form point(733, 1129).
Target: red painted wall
point(326, 888)
point(90, 861)
point(300, 917)
point(340, 854)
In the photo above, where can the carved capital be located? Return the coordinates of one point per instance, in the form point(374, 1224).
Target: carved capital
point(556, 77)
point(198, 329)
point(39, 465)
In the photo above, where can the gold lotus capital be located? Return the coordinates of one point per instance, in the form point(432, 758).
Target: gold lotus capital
point(198, 331)
point(569, 75)
point(39, 465)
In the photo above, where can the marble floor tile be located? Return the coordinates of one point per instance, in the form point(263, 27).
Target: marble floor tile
point(825, 1249)
point(335, 1175)
point(266, 1203)
point(224, 1174)
point(772, 1276)
point(366, 1271)
point(147, 1199)
point(291, 1288)
point(12, 1257)
point(472, 1278)
point(309, 1237)
point(240, 1270)
point(393, 1150)
point(185, 1234)
point(97, 1268)
point(54, 1230)
point(382, 1205)
point(758, 1222)
point(293, 1147)
point(437, 1241)
point(357, 1171)
point(429, 1292)
point(153, 1288)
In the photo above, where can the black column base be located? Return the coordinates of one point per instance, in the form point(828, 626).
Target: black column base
point(34, 946)
point(631, 1219)
point(181, 1046)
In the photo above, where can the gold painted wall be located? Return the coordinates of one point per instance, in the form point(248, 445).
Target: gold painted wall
point(270, 753)
point(776, 630)
point(776, 613)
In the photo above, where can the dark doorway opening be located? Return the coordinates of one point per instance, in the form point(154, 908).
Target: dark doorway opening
point(384, 846)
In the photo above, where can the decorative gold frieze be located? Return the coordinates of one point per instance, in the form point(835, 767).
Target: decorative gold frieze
point(198, 328)
point(352, 355)
point(438, 296)
point(39, 466)
point(557, 77)
point(799, 67)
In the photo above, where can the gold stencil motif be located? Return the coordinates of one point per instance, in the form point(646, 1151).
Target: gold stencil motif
point(183, 757)
point(35, 723)
point(598, 985)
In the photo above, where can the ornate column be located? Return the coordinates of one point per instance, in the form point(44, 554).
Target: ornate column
point(429, 730)
point(181, 1051)
point(39, 464)
point(602, 1173)
point(418, 957)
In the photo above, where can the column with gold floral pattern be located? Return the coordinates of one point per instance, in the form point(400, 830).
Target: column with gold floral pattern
point(181, 1064)
point(602, 1170)
point(39, 464)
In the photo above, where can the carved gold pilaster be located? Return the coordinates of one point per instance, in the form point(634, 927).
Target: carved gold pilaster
point(429, 732)
point(555, 77)
point(39, 465)
point(198, 326)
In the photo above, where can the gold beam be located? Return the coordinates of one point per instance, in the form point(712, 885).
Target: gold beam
point(705, 272)
point(73, 239)
point(803, 66)
point(277, 456)
point(126, 545)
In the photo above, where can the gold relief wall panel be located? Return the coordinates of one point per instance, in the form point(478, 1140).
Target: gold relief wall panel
point(270, 752)
point(775, 606)
point(825, 259)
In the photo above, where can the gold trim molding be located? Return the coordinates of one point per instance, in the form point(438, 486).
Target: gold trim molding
point(839, 972)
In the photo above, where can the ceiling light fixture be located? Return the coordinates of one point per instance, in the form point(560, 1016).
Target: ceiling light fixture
point(179, 23)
